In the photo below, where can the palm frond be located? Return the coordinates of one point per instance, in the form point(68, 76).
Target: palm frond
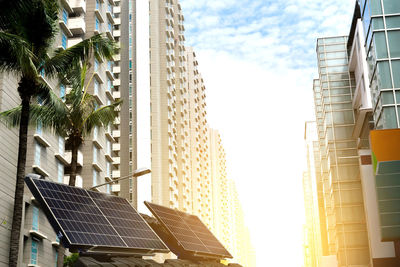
point(16, 56)
point(101, 117)
point(63, 60)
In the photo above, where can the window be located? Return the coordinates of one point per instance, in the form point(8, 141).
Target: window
point(35, 218)
point(96, 87)
point(95, 132)
point(61, 142)
point(109, 27)
point(109, 85)
point(97, 5)
point(64, 40)
point(108, 147)
point(60, 172)
point(94, 177)
point(62, 91)
point(394, 39)
point(96, 64)
point(65, 16)
point(108, 189)
point(95, 154)
point(97, 24)
point(37, 154)
point(56, 258)
point(39, 128)
point(34, 252)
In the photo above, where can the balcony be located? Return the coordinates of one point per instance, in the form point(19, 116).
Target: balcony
point(116, 147)
point(117, 69)
point(116, 160)
point(116, 94)
point(117, 21)
point(117, 9)
point(117, 121)
point(116, 174)
point(78, 181)
point(116, 82)
point(116, 134)
point(78, 6)
point(117, 33)
point(77, 25)
point(97, 166)
point(74, 41)
point(117, 57)
point(115, 188)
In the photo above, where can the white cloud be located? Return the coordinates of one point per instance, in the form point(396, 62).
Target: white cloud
point(258, 61)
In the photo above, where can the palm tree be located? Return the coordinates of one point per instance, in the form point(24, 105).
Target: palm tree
point(74, 117)
point(27, 31)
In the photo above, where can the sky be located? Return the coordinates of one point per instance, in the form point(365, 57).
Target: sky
point(257, 58)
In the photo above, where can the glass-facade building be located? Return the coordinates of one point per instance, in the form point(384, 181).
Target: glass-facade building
point(381, 19)
point(346, 232)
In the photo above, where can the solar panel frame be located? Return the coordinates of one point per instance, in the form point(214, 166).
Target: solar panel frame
point(67, 213)
point(180, 218)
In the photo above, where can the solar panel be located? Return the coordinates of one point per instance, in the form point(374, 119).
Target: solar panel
point(189, 231)
point(93, 220)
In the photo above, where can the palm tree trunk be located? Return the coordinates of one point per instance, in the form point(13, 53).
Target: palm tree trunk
point(19, 187)
point(74, 162)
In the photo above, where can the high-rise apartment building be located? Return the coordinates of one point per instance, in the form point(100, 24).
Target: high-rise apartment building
point(340, 173)
point(180, 160)
point(47, 154)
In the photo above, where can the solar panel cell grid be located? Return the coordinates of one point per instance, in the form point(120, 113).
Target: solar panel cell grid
point(95, 219)
point(188, 230)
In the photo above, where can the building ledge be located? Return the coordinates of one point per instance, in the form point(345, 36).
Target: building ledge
point(61, 158)
point(55, 244)
point(98, 78)
point(98, 99)
point(110, 137)
point(97, 143)
point(40, 170)
point(108, 157)
point(97, 166)
point(98, 15)
point(65, 28)
point(37, 234)
point(109, 73)
point(41, 140)
point(33, 265)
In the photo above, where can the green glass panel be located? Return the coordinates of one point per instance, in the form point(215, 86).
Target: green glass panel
point(390, 219)
point(389, 118)
point(393, 22)
point(376, 8)
point(383, 75)
point(380, 45)
point(377, 23)
point(394, 41)
point(389, 206)
point(390, 233)
point(391, 6)
point(396, 73)
point(398, 97)
point(387, 97)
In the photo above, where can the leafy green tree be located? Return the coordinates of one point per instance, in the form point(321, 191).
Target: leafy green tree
point(27, 32)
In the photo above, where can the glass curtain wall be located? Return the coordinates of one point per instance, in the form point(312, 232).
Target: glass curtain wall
point(345, 218)
point(381, 20)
